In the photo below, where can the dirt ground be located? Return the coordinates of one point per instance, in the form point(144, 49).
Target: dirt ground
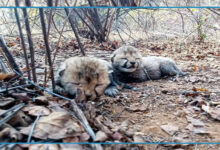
point(166, 110)
point(161, 102)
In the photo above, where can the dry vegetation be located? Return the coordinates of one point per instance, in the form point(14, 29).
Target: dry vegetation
point(148, 3)
point(177, 109)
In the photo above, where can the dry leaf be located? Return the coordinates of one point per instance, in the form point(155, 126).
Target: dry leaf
point(138, 138)
point(41, 100)
point(200, 56)
point(84, 137)
point(71, 147)
point(193, 79)
point(25, 69)
point(9, 134)
point(43, 147)
point(21, 96)
point(200, 89)
point(11, 44)
point(123, 127)
point(57, 125)
point(181, 138)
point(213, 112)
point(100, 125)
point(196, 130)
point(41, 46)
point(117, 136)
point(19, 119)
point(195, 68)
point(6, 77)
point(170, 129)
point(35, 110)
point(195, 122)
point(101, 136)
point(6, 102)
point(71, 140)
point(137, 107)
point(55, 107)
point(18, 39)
point(3, 76)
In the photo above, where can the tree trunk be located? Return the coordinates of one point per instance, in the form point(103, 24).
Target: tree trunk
point(96, 23)
point(47, 47)
point(49, 3)
point(28, 3)
point(22, 41)
point(31, 47)
point(74, 30)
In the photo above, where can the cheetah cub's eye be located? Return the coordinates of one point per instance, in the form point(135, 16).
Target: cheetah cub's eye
point(97, 85)
point(75, 83)
point(97, 89)
point(124, 58)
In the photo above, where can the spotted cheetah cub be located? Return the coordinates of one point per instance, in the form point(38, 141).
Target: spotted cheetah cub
point(129, 66)
point(92, 74)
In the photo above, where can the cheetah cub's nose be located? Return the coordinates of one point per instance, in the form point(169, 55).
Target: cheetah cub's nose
point(133, 62)
point(88, 96)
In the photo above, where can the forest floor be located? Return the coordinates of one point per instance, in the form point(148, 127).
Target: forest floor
point(175, 109)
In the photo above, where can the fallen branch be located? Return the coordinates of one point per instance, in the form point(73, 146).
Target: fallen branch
point(12, 111)
point(7, 146)
point(33, 127)
point(77, 112)
point(10, 58)
point(17, 76)
point(3, 67)
point(6, 62)
point(13, 88)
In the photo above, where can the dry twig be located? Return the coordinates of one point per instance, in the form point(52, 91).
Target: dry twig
point(12, 111)
point(32, 128)
point(10, 58)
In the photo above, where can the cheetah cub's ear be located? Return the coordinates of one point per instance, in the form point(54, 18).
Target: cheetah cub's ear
point(112, 57)
point(61, 73)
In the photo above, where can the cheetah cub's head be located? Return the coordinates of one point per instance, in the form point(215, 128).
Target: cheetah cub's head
point(88, 73)
point(126, 59)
